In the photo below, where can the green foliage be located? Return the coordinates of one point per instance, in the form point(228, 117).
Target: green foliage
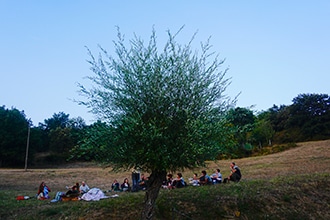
point(94, 143)
point(262, 133)
point(241, 122)
point(58, 135)
point(311, 114)
point(308, 118)
point(13, 137)
point(60, 120)
point(60, 140)
point(165, 106)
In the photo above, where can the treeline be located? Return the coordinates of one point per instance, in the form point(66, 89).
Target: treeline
point(62, 138)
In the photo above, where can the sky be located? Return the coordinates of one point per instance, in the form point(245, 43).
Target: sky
point(275, 50)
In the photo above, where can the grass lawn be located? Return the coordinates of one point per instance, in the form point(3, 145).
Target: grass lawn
point(293, 184)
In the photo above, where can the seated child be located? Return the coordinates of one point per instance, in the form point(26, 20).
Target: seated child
point(43, 191)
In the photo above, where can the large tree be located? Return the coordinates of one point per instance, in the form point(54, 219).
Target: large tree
point(243, 121)
point(13, 137)
point(310, 114)
point(58, 135)
point(165, 107)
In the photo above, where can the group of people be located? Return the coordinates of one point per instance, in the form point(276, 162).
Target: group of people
point(170, 183)
point(203, 179)
point(77, 189)
point(74, 191)
point(125, 186)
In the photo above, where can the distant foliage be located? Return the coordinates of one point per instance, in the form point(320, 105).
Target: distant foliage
point(61, 138)
point(13, 137)
point(310, 113)
point(307, 119)
point(93, 143)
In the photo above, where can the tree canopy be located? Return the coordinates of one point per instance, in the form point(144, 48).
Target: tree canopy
point(13, 136)
point(161, 103)
point(166, 107)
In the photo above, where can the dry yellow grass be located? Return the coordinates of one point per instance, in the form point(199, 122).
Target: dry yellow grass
point(307, 158)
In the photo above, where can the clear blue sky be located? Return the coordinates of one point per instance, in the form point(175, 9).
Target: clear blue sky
point(275, 50)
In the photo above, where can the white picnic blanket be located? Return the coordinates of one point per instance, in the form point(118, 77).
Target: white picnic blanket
point(94, 194)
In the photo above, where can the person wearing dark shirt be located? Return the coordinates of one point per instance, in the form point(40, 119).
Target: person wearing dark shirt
point(235, 174)
point(115, 186)
point(125, 186)
point(178, 182)
point(74, 191)
point(205, 179)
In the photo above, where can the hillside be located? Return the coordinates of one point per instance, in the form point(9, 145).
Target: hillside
point(293, 184)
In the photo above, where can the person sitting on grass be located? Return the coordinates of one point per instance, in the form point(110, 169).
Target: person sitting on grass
point(43, 191)
point(83, 188)
point(205, 179)
point(194, 180)
point(73, 191)
point(143, 182)
point(235, 174)
point(178, 182)
point(125, 185)
point(168, 182)
point(217, 177)
point(115, 186)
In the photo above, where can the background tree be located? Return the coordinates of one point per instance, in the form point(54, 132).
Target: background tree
point(92, 144)
point(310, 114)
point(59, 120)
point(262, 133)
point(308, 118)
point(165, 107)
point(13, 136)
point(243, 121)
point(278, 118)
point(59, 135)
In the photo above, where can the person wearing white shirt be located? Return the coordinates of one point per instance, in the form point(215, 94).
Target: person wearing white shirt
point(83, 187)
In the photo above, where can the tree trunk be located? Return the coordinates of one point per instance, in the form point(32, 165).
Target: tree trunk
point(153, 186)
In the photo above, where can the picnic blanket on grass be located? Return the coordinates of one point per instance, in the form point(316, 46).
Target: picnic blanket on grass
point(94, 194)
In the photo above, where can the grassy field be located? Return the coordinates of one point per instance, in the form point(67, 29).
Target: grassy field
point(292, 184)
